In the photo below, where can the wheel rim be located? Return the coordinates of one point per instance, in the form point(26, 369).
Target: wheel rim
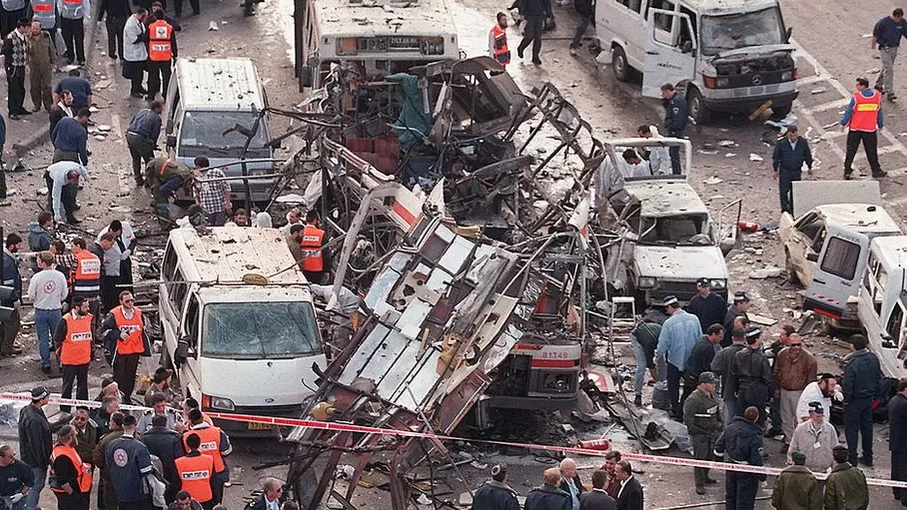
point(619, 64)
point(696, 106)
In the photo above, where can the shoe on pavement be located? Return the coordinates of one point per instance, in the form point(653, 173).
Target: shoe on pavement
point(700, 490)
point(14, 116)
point(848, 176)
point(711, 481)
point(772, 432)
point(537, 61)
point(137, 95)
point(573, 51)
point(880, 174)
point(866, 462)
point(46, 370)
point(73, 221)
point(519, 52)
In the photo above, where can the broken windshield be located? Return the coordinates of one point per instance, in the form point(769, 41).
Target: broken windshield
point(206, 130)
point(729, 32)
point(675, 230)
point(260, 330)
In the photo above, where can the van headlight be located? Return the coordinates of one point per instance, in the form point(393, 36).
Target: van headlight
point(787, 75)
point(647, 282)
point(222, 403)
point(718, 284)
point(723, 82)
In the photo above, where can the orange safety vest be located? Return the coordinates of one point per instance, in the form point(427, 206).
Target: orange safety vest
point(87, 277)
point(134, 343)
point(160, 48)
point(210, 446)
point(312, 238)
point(500, 51)
point(865, 111)
point(195, 474)
point(82, 468)
point(76, 348)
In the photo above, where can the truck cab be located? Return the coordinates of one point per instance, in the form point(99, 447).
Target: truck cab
point(730, 55)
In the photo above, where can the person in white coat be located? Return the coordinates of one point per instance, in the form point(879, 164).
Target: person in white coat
point(823, 390)
point(135, 51)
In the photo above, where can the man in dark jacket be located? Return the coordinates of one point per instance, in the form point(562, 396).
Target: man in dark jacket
point(676, 116)
point(597, 498)
point(741, 303)
point(495, 494)
point(630, 496)
point(897, 439)
point(796, 488)
point(548, 496)
point(271, 491)
point(861, 385)
point(586, 11)
point(35, 442)
point(70, 138)
point(701, 356)
point(702, 416)
point(114, 13)
point(721, 365)
point(788, 158)
point(107, 496)
point(166, 445)
point(9, 330)
point(570, 482)
point(741, 443)
point(845, 487)
point(751, 375)
point(535, 12)
point(709, 307)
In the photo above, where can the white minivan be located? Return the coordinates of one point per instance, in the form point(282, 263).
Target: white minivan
point(238, 322)
point(882, 303)
point(729, 55)
point(213, 109)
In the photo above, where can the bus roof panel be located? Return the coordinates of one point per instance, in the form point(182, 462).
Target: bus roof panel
point(371, 18)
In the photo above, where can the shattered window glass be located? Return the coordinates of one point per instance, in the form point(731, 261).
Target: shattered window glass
point(260, 330)
point(729, 32)
point(206, 129)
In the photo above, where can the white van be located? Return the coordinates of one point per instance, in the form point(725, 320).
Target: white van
point(882, 303)
point(238, 347)
point(730, 55)
point(213, 105)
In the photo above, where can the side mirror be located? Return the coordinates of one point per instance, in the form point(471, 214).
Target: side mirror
point(171, 141)
point(787, 35)
point(686, 47)
point(306, 75)
point(812, 257)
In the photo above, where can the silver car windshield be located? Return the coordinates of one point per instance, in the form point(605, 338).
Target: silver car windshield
point(733, 31)
point(260, 330)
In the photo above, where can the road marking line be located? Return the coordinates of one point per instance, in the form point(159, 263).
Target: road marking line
point(839, 103)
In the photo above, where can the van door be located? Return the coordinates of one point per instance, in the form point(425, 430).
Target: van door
point(670, 54)
point(838, 271)
point(190, 332)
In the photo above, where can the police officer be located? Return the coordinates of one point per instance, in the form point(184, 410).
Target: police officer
point(73, 342)
point(70, 475)
point(863, 118)
point(709, 307)
point(676, 115)
point(129, 465)
point(317, 260)
point(161, 50)
point(751, 375)
point(741, 443)
point(195, 471)
point(123, 332)
point(702, 416)
point(214, 443)
point(495, 494)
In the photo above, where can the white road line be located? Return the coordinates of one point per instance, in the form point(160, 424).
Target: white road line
point(839, 103)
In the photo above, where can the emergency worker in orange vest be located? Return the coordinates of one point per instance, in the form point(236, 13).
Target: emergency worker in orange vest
point(70, 476)
point(123, 332)
point(214, 443)
point(497, 41)
point(196, 471)
point(316, 262)
point(73, 341)
point(863, 118)
point(161, 51)
point(86, 275)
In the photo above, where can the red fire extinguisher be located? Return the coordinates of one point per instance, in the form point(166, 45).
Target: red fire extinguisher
point(747, 226)
point(595, 444)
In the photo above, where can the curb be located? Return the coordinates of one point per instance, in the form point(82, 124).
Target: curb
point(42, 135)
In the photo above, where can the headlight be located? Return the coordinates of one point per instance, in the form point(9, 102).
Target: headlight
point(222, 403)
point(787, 75)
point(647, 282)
point(723, 82)
point(717, 284)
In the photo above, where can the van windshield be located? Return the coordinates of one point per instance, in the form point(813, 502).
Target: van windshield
point(260, 330)
point(729, 32)
point(205, 130)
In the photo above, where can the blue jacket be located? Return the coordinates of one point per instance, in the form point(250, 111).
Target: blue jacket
point(676, 113)
point(71, 136)
point(789, 160)
point(741, 443)
point(861, 375)
point(848, 113)
point(678, 336)
point(11, 277)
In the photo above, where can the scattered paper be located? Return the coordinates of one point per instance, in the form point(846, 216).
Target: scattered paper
point(755, 157)
point(713, 180)
point(213, 26)
point(818, 90)
point(727, 143)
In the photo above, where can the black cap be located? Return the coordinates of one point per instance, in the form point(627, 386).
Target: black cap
point(816, 407)
point(708, 377)
point(39, 393)
point(752, 332)
point(703, 282)
point(670, 300)
point(741, 297)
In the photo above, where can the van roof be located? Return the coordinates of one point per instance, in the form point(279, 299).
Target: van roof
point(891, 250)
point(859, 218)
point(728, 6)
point(225, 254)
point(219, 84)
point(373, 18)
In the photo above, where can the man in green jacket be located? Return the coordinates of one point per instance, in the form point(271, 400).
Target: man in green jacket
point(796, 487)
point(702, 416)
point(845, 487)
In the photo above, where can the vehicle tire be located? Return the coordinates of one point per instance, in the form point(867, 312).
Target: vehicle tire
point(791, 272)
point(698, 110)
point(781, 111)
point(619, 64)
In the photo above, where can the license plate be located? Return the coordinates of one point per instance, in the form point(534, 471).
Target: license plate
point(259, 426)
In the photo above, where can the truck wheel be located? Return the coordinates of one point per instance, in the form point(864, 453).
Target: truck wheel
point(781, 111)
point(698, 110)
point(619, 64)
